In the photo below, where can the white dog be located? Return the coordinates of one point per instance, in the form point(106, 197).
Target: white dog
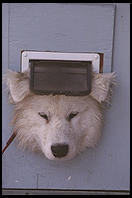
point(59, 126)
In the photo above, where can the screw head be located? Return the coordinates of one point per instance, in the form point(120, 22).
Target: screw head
point(25, 55)
point(96, 56)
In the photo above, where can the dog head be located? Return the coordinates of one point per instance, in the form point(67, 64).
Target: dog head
point(59, 126)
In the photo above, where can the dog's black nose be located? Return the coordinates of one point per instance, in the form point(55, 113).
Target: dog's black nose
point(59, 150)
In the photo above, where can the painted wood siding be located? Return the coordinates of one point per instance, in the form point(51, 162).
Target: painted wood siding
point(67, 27)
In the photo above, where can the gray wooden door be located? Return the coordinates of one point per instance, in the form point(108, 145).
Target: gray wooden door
point(67, 27)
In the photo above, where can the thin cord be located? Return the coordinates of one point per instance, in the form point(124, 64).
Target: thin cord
point(9, 142)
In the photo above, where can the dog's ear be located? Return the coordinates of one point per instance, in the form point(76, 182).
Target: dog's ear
point(18, 85)
point(102, 86)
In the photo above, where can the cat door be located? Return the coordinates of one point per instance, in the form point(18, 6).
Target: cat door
point(60, 73)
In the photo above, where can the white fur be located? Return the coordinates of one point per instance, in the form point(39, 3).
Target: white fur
point(36, 133)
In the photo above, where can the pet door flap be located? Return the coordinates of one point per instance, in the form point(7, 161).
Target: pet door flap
point(60, 77)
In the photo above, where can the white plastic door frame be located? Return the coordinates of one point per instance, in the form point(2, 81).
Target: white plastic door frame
point(26, 56)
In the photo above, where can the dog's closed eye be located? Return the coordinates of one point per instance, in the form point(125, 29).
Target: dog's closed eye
point(72, 115)
point(43, 115)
